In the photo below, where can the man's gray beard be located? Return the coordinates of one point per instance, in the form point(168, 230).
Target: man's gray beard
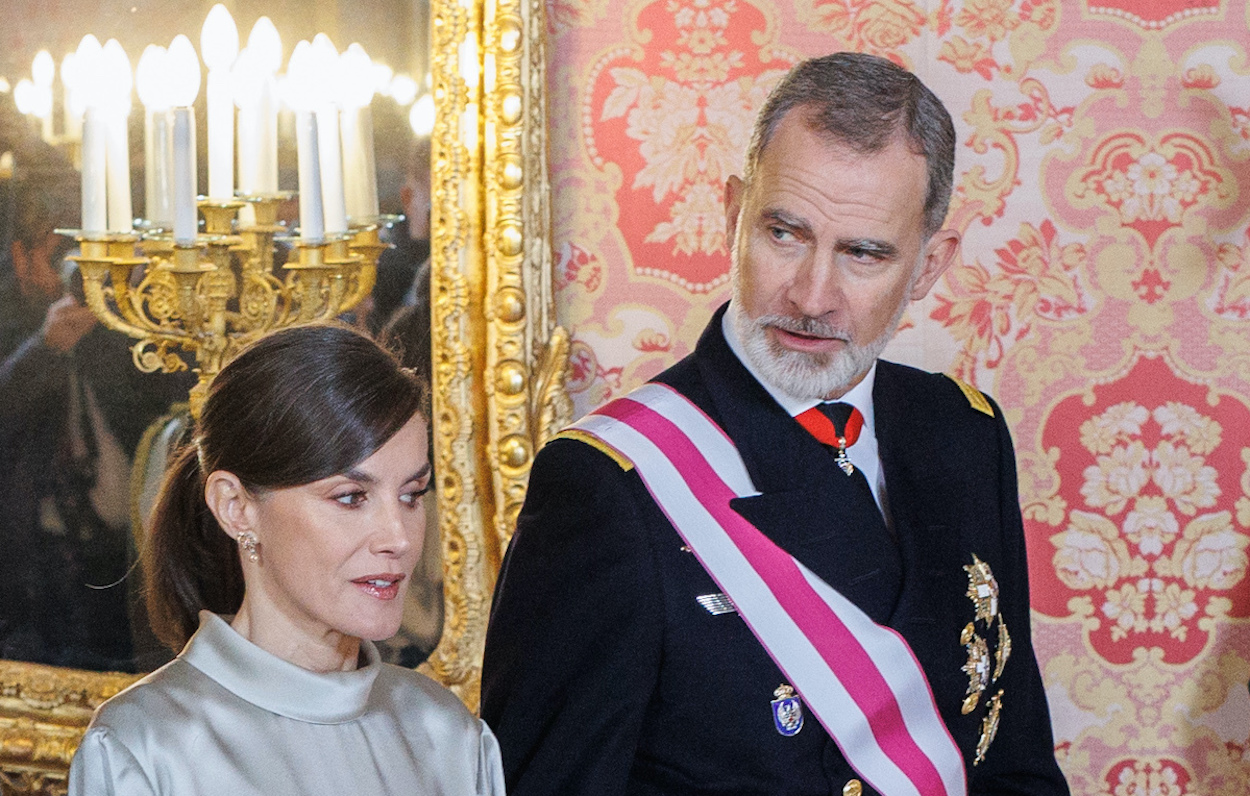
point(807, 376)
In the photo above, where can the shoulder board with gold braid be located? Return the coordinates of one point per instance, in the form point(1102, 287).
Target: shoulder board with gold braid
point(975, 398)
point(597, 444)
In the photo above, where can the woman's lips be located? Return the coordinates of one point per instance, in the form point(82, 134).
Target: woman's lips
point(383, 587)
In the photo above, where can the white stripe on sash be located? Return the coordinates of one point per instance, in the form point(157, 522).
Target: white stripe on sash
point(861, 680)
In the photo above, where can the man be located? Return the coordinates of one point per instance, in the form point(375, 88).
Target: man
point(625, 655)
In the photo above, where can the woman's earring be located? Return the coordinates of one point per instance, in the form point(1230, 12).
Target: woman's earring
point(249, 545)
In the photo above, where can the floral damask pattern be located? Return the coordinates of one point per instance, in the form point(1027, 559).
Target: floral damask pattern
point(1145, 543)
point(687, 111)
point(1034, 278)
point(881, 27)
point(1151, 186)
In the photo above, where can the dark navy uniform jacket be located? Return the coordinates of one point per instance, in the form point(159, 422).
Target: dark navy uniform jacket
point(604, 676)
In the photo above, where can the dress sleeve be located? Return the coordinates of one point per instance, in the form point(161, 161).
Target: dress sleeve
point(103, 766)
point(489, 765)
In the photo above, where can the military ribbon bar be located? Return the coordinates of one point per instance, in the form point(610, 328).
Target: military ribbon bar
point(860, 680)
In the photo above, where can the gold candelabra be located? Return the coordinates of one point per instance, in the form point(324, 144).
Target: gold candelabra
point(215, 295)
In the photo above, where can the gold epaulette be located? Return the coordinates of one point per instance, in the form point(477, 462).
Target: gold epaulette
point(976, 399)
point(597, 444)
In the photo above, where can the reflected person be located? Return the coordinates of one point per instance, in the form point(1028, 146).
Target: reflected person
point(283, 542)
point(73, 409)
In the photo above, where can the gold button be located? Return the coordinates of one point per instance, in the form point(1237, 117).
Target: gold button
point(853, 788)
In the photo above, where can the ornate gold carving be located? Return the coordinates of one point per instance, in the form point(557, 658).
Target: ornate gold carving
point(43, 713)
point(499, 359)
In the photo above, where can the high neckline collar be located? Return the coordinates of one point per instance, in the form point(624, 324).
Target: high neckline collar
point(276, 685)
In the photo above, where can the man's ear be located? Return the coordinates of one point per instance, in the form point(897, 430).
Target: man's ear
point(230, 503)
point(734, 190)
point(939, 253)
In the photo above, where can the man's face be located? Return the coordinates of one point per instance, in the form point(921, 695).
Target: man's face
point(828, 250)
point(36, 276)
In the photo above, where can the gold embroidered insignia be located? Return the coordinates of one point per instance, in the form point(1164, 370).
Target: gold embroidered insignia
point(989, 726)
point(976, 399)
point(977, 668)
point(1004, 649)
point(982, 590)
point(598, 444)
point(968, 634)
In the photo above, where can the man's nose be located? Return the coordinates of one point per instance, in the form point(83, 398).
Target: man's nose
point(816, 289)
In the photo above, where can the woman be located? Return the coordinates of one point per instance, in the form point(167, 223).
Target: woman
point(287, 533)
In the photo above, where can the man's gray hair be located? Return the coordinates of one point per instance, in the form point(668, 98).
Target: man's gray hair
point(863, 102)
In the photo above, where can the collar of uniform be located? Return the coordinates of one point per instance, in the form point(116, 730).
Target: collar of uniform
point(279, 686)
point(859, 396)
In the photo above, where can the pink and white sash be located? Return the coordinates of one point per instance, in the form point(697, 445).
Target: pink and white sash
point(860, 679)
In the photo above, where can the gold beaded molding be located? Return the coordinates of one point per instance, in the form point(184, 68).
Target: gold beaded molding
point(499, 361)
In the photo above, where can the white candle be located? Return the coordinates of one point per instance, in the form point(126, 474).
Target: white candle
point(113, 95)
point(117, 141)
point(159, 174)
point(249, 149)
point(42, 73)
point(94, 157)
point(71, 107)
point(219, 45)
point(182, 135)
point(360, 179)
point(311, 220)
point(360, 183)
point(183, 68)
point(264, 46)
point(249, 156)
point(267, 138)
point(220, 136)
point(331, 156)
point(152, 83)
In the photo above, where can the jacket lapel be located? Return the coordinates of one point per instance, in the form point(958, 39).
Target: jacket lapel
point(925, 521)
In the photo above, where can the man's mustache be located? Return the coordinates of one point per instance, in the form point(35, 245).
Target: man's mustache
point(804, 325)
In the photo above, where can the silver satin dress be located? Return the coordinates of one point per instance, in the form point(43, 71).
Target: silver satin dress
point(226, 717)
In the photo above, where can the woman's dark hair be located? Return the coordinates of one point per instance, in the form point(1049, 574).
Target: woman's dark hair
point(294, 407)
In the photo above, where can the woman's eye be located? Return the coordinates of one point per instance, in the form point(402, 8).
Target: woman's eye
point(414, 496)
point(351, 499)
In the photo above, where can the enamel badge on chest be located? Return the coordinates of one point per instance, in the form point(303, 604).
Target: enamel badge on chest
point(787, 711)
point(842, 459)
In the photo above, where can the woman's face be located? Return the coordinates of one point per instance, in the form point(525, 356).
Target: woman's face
point(336, 555)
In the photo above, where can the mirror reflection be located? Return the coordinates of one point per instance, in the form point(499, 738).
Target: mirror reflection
point(85, 436)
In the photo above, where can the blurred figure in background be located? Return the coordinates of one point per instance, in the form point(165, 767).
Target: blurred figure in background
point(73, 409)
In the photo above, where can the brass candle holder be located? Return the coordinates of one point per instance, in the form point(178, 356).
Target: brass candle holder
point(212, 297)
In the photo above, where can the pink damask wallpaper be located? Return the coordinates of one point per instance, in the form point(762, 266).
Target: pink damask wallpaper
point(1103, 298)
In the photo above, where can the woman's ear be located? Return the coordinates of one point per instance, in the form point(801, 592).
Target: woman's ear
point(230, 502)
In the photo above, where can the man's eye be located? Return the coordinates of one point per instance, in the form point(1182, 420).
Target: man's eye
point(780, 234)
point(351, 499)
point(864, 255)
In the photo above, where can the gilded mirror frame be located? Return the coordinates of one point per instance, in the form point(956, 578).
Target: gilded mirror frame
point(499, 361)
